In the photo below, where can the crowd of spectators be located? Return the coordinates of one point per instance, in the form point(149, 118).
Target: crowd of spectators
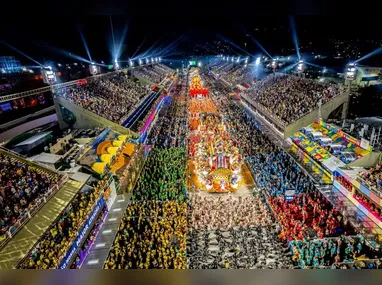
point(368, 204)
point(153, 73)
point(22, 188)
point(239, 75)
point(152, 235)
point(85, 248)
point(306, 216)
point(247, 136)
point(328, 252)
point(205, 105)
point(275, 172)
point(237, 248)
point(164, 69)
point(172, 127)
point(226, 212)
point(373, 177)
point(112, 98)
point(288, 97)
point(58, 239)
point(163, 176)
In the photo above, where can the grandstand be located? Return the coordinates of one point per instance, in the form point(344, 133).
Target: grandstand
point(28, 189)
point(235, 160)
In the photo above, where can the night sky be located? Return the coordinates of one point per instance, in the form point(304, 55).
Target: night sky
point(48, 38)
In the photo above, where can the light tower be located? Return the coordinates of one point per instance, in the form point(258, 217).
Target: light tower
point(300, 68)
point(350, 74)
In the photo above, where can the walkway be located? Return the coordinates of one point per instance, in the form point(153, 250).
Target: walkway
point(102, 245)
point(134, 117)
point(19, 246)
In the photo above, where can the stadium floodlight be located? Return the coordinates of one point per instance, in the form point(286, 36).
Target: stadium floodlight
point(351, 71)
point(258, 59)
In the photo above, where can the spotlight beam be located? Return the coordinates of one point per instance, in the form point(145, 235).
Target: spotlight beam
point(145, 53)
point(20, 52)
point(112, 34)
point(315, 65)
point(377, 51)
point(234, 45)
point(138, 48)
point(170, 47)
point(260, 46)
point(68, 54)
point(294, 36)
point(84, 42)
point(122, 39)
point(289, 67)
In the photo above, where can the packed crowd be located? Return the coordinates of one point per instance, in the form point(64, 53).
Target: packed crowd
point(172, 126)
point(202, 106)
point(82, 253)
point(153, 74)
point(212, 213)
point(239, 75)
point(306, 216)
point(163, 176)
point(222, 68)
point(366, 202)
point(163, 68)
point(248, 137)
point(112, 98)
point(237, 248)
point(58, 239)
point(373, 177)
point(276, 172)
point(22, 188)
point(328, 252)
point(152, 235)
point(289, 98)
